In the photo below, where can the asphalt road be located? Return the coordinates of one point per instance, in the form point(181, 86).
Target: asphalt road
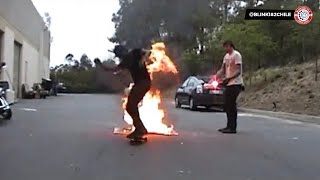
point(70, 137)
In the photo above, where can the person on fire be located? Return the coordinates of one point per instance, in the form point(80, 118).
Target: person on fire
point(232, 71)
point(135, 62)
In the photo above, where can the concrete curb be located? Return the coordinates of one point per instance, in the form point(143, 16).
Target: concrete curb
point(283, 115)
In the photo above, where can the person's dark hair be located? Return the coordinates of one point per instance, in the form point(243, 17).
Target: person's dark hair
point(137, 53)
point(229, 43)
point(120, 51)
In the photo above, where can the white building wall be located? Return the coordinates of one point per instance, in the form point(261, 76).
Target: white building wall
point(33, 65)
point(7, 52)
point(7, 56)
point(29, 66)
point(45, 68)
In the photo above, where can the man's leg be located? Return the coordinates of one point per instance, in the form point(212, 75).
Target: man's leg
point(233, 107)
point(227, 105)
point(231, 95)
point(136, 95)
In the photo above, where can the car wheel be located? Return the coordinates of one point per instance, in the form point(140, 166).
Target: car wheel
point(192, 105)
point(177, 103)
point(222, 107)
point(7, 114)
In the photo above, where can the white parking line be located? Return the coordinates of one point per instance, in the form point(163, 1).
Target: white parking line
point(273, 118)
point(28, 109)
point(269, 117)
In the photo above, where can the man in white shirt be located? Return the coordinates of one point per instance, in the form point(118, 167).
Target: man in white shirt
point(231, 73)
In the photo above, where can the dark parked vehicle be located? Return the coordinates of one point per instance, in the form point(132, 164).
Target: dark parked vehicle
point(46, 84)
point(61, 88)
point(200, 91)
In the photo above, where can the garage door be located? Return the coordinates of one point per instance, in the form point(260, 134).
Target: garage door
point(1, 42)
point(17, 68)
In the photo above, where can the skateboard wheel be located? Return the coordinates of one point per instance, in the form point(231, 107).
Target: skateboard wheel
point(138, 141)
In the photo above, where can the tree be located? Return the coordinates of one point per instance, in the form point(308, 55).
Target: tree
point(85, 62)
point(194, 30)
point(137, 23)
point(69, 58)
point(47, 20)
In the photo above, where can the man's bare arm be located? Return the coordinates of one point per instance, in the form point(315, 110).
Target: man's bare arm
point(221, 71)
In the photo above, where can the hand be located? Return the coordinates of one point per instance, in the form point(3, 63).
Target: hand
point(117, 72)
point(225, 81)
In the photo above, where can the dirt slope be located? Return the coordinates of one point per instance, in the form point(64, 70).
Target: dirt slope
point(292, 89)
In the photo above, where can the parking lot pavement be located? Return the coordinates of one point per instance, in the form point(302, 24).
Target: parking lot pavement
point(70, 137)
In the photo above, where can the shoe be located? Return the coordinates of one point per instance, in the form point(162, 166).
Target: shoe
point(132, 135)
point(220, 130)
point(229, 131)
point(137, 134)
point(144, 131)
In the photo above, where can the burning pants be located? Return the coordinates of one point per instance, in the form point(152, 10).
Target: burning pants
point(231, 94)
point(137, 93)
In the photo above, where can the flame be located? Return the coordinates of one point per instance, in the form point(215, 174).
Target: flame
point(213, 83)
point(160, 61)
point(151, 114)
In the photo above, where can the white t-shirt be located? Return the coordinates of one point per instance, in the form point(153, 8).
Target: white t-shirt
point(231, 61)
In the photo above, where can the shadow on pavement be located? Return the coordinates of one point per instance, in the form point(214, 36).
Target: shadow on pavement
point(3, 122)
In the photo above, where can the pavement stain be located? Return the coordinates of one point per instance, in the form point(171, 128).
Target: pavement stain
point(101, 151)
point(75, 168)
point(183, 172)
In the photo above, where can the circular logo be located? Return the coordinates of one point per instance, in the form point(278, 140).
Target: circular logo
point(303, 15)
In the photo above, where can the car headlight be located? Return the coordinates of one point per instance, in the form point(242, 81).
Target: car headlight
point(199, 89)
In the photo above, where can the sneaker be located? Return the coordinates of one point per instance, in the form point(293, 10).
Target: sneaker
point(132, 135)
point(229, 131)
point(223, 129)
point(144, 131)
point(137, 134)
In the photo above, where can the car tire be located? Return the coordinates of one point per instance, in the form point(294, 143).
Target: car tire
point(192, 105)
point(177, 103)
point(7, 114)
point(222, 107)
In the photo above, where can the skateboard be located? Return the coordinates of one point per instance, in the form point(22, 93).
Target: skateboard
point(138, 141)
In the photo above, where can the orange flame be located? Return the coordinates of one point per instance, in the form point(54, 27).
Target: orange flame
point(160, 61)
point(151, 114)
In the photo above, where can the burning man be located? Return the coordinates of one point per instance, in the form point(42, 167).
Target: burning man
point(134, 61)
